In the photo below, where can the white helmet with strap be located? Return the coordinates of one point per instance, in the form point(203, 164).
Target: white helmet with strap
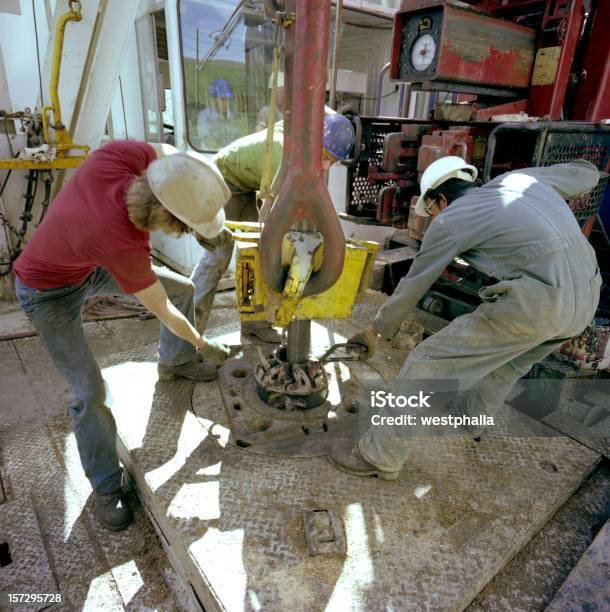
point(440, 171)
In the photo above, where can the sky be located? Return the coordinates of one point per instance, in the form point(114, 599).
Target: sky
point(210, 16)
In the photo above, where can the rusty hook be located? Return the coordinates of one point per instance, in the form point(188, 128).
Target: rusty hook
point(303, 199)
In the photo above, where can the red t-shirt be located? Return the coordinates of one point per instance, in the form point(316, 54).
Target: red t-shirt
point(87, 226)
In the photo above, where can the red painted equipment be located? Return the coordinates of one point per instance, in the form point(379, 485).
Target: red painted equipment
point(592, 96)
point(454, 141)
point(560, 31)
point(513, 49)
point(443, 46)
point(303, 200)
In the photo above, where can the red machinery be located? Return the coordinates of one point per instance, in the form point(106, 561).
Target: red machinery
point(548, 59)
point(530, 49)
point(492, 58)
point(443, 46)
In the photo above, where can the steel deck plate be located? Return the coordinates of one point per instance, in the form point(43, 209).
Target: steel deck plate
point(233, 520)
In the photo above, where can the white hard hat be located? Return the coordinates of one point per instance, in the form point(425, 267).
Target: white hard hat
point(280, 79)
point(440, 171)
point(192, 189)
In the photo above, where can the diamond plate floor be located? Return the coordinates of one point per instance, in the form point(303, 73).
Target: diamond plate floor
point(233, 520)
point(55, 543)
point(588, 585)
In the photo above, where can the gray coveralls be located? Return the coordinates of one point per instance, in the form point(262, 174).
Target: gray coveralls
point(518, 229)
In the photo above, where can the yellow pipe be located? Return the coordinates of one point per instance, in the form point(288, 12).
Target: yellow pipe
point(72, 15)
point(59, 163)
point(63, 141)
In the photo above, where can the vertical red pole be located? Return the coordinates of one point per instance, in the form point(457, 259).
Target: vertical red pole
point(547, 100)
point(309, 87)
point(593, 94)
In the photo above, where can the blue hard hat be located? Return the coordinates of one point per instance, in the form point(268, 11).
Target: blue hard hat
point(219, 88)
point(339, 136)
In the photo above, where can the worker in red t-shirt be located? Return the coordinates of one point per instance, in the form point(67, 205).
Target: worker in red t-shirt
point(95, 240)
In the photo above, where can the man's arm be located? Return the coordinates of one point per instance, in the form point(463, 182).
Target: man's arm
point(156, 300)
point(569, 180)
point(437, 251)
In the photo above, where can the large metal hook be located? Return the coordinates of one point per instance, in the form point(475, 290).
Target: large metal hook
point(303, 201)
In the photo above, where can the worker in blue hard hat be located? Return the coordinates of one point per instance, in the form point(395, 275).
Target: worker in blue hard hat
point(338, 137)
point(241, 165)
point(217, 124)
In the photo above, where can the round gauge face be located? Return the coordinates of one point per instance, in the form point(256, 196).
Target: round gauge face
point(422, 52)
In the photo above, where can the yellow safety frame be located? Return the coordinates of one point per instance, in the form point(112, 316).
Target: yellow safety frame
point(256, 301)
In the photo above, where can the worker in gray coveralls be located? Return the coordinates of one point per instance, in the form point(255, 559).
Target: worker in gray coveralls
point(518, 229)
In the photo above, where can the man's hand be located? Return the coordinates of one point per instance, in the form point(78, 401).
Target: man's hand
point(214, 351)
point(223, 239)
point(409, 335)
point(370, 339)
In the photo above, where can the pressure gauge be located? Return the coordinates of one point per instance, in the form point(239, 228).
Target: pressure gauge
point(422, 52)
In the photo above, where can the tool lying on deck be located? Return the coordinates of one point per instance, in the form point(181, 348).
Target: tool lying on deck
point(350, 347)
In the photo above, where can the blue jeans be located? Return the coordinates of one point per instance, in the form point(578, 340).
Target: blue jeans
point(56, 315)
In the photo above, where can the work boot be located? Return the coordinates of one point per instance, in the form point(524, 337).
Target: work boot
point(195, 369)
point(111, 510)
point(261, 330)
point(350, 460)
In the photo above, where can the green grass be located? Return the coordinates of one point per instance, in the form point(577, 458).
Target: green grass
point(235, 74)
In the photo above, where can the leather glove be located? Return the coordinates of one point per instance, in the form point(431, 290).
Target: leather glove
point(409, 335)
point(210, 244)
point(370, 339)
point(214, 351)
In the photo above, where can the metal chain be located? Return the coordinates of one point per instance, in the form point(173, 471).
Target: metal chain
point(31, 125)
point(14, 231)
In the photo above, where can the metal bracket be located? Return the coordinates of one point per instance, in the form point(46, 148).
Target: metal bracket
point(324, 532)
point(348, 347)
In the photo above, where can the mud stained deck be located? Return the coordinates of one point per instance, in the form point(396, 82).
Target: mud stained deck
point(232, 520)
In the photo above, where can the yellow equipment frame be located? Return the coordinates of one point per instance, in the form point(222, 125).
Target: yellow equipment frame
point(256, 301)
